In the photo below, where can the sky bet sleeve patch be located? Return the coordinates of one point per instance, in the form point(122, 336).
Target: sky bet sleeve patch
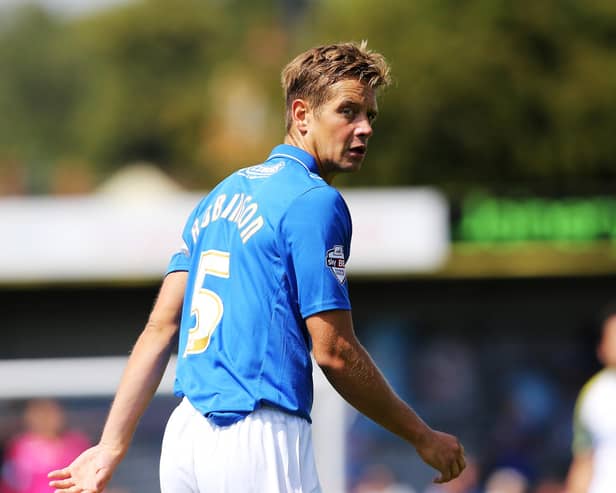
point(335, 261)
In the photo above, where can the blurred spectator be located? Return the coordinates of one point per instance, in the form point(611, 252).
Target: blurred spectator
point(45, 444)
point(379, 478)
point(593, 469)
point(506, 480)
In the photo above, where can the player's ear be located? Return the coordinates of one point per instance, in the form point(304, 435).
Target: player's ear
point(300, 113)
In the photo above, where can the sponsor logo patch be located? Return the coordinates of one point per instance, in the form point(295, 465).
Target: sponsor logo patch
point(261, 170)
point(335, 261)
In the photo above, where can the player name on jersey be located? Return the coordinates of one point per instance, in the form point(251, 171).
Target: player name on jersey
point(239, 209)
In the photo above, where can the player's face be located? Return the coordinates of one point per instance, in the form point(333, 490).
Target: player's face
point(607, 346)
point(338, 131)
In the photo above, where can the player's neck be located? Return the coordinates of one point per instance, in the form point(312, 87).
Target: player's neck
point(296, 140)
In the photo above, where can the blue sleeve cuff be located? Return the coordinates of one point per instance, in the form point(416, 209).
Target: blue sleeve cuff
point(179, 262)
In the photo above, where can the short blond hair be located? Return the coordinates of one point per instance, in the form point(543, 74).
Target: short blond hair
point(310, 75)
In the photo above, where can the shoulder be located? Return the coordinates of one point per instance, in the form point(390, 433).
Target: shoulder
point(587, 389)
point(321, 198)
point(286, 183)
point(600, 382)
point(321, 205)
point(599, 390)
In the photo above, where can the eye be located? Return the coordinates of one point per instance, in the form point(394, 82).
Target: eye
point(372, 116)
point(348, 112)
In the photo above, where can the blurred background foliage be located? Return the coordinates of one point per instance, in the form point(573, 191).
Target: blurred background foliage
point(489, 94)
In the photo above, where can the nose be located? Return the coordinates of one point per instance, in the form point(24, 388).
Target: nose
point(364, 127)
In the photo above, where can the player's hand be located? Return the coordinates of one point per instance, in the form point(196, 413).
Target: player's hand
point(444, 453)
point(88, 473)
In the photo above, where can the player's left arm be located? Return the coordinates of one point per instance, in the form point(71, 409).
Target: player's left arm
point(355, 376)
point(93, 469)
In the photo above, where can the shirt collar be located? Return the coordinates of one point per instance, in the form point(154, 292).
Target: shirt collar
point(304, 158)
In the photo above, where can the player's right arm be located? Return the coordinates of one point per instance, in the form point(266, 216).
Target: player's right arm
point(92, 470)
point(355, 376)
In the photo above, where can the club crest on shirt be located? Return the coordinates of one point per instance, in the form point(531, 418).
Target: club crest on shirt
point(335, 261)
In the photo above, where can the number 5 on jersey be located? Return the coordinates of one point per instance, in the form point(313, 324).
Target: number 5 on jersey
point(206, 305)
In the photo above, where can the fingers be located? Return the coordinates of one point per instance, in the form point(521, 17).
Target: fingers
point(447, 476)
point(453, 472)
point(68, 487)
point(454, 469)
point(74, 489)
point(443, 478)
point(59, 474)
point(62, 485)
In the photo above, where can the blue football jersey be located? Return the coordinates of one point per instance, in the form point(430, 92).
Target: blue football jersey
point(266, 248)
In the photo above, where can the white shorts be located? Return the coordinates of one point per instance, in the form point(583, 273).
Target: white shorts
point(267, 452)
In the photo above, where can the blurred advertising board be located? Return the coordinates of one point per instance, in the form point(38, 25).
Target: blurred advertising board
point(109, 238)
point(532, 236)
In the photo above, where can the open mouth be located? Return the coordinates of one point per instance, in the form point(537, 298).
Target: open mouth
point(358, 151)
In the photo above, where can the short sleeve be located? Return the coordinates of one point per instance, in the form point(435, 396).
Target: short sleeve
point(181, 259)
point(316, 234)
